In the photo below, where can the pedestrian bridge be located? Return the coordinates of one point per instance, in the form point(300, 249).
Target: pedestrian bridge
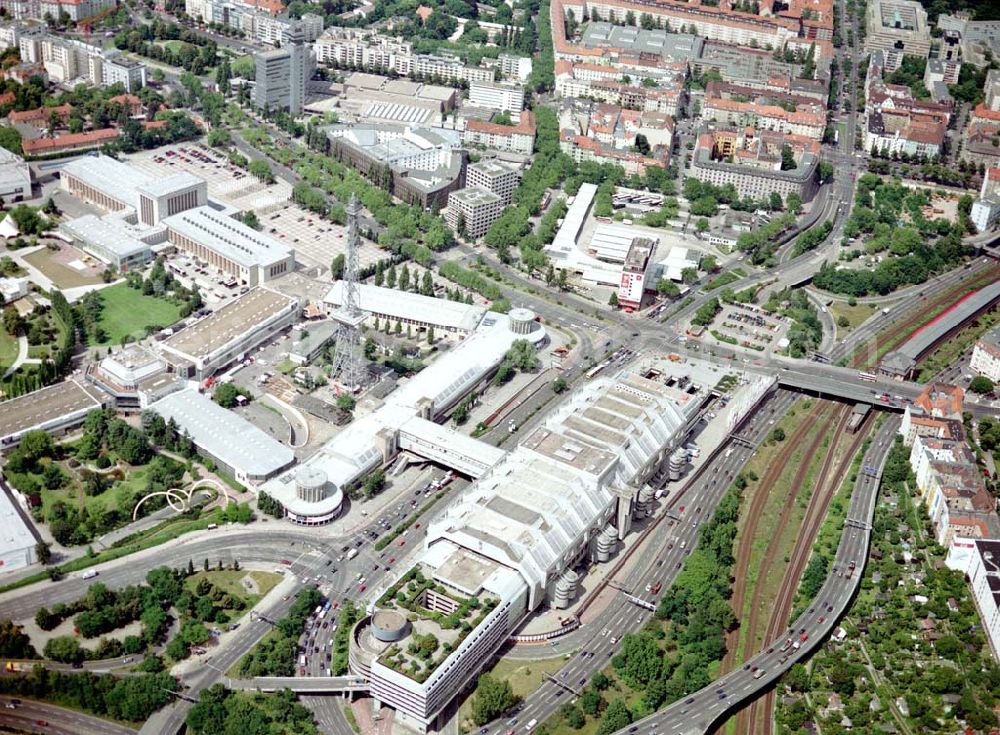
point(303, 684)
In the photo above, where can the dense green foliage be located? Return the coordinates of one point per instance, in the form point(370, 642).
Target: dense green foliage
point(493, 698)
point(14, 643)
point(469, 279)
point(807, 331)
point(275, 654)
point(706, 312)
point(811, 238)
point(930, 659)
point(132, 698)
point(890, 218)
point(227, 394)
point(267, 504)
point(548, 169)
point(220, 710)
point(196, 54)
point(761, 243)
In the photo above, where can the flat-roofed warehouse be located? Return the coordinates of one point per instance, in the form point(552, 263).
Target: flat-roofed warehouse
point(232, 442)
point(53, 409)
point(228, 334)
point(17, 542)
point(410, 308)
point(229, 245)
point(109, 241)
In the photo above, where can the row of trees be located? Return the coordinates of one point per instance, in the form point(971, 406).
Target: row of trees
point(275, 654)
point(131, 699)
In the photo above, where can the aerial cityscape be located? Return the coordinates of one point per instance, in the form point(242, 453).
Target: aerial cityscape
point(514, 367)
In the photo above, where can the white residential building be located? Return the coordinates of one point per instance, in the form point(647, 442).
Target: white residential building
point(979, 560)
point(986, 355)
point(506, 97)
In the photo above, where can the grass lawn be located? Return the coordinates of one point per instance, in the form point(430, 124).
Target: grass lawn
point(243, 66)
point(524, 677)
point(127, 312)
point(8, 350)
point(723, 279)
point(174, 46)
point(231, 583)
point(856, 315)
point(72, 493)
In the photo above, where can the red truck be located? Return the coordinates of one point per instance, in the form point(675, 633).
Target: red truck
point(850, 568)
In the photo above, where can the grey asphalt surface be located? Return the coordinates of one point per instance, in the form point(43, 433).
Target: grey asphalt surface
point(29, 716)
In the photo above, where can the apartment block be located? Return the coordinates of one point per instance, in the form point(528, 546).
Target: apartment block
point(505, 97)
point(473, 209)
point(751, 161)
point(737, 105)
point(518, 138)
point(897, 28)
point(68, 59)
point(498, 177)
point(896, 122)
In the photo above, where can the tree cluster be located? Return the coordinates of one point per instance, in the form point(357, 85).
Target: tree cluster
point(227, 394)
point(161, 283)
point(131, 698)
point(196, 54)
point(275, 654)
point(221, 710)
point(493, 697)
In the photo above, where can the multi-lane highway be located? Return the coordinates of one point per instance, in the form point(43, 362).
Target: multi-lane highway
point(42, 717)
point(699, 711)
point(661, 560)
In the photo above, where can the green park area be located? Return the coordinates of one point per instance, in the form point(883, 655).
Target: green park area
point(90, 486)
point(128, 312)
point(175, 46)
point(8, 350)
point(248, 586)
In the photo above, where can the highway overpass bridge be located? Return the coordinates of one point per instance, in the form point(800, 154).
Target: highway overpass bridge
point(845, 384)
point(303, 684)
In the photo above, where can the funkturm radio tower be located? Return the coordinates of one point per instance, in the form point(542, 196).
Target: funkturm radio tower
point(347, 368)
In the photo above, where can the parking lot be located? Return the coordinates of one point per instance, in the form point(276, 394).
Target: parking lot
point(750, 326)
point(316, 241)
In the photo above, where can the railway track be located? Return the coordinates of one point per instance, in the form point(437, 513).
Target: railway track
point(901, 330)
point(757, 718)
point(774, 471)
